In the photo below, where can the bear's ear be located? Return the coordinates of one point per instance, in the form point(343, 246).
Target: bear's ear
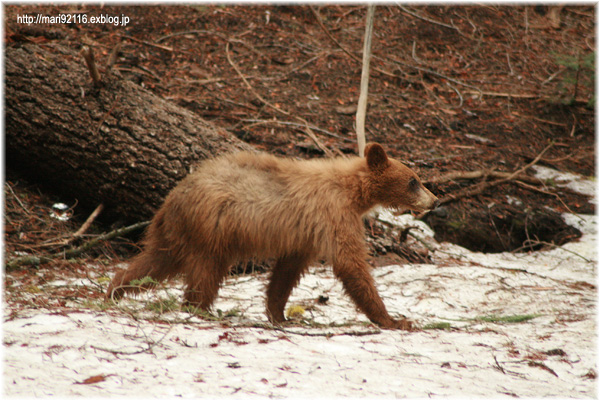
point(377, 160)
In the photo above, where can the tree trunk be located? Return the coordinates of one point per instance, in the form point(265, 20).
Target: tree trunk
point(115, 143)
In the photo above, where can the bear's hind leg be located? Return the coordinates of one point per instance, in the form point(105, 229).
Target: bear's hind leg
point(146, 264)
point(284, 277)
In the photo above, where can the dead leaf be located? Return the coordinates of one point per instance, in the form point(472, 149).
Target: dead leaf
point(93, 379)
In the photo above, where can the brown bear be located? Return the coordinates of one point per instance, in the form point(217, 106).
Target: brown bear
point(251, 205)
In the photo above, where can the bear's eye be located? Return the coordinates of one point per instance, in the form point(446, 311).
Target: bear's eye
point(413, 184)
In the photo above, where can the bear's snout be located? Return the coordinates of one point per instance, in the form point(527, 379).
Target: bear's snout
point(427, 200)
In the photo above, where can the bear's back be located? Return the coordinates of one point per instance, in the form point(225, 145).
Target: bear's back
point(263, 206)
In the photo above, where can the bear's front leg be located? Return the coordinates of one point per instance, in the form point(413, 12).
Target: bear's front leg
point(284, 277)
point(350, 267)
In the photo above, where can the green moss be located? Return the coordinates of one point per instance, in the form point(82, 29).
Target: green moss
point(437, 326)
point(143, 281)
point(164, 305)
point(455, 224)
point(507, 319)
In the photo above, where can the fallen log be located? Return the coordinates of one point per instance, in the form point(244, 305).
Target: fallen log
point(110, 142)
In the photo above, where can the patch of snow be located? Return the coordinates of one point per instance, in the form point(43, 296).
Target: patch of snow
point(404, 221)
point(575, 182)
point(513, 201)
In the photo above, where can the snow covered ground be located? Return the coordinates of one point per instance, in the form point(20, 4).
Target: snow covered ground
point(494, 325)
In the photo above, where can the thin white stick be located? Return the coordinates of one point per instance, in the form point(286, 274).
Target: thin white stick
point(361, 112)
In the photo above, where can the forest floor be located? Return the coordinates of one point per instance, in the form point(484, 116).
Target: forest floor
point(489, 89)
point(453, 89)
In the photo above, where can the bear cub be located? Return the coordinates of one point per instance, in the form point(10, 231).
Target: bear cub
point(251, 205)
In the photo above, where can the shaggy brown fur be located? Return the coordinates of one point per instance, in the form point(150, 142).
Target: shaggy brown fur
point(248, 205)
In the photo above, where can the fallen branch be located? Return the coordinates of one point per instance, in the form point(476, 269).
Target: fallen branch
point(150, 345)
point(41, 259)
point(217, 34)
point(293, 124)
point(409, 12)
point(529, 243)
point(256, 94)
point(530, 187)
point(471, 175)
point(145, 42)
point(270, 326)
point(84, 227)
point(432, 72)
point(579, 100)
point(480, 187)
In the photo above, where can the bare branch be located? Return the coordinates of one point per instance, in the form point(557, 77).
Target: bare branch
point(361, 113)
point(36, 260)
point(89, 221)
point(480, 187)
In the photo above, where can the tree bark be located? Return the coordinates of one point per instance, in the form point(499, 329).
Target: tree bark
point(114, 143)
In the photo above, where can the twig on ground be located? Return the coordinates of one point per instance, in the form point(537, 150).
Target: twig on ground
point(316, 140)
point(17, 198)
point(84, 227)
point(480, 187)
point(529, 243)
point(333, 39)
point(256, 94)
point(432, 72)
point(414, 56)
point(285, 74)
point(105, 237)
point(293, 124)
point(470, 175)
point(531, 187)
point(520, 95)
point(276, 108)
point(148, 348)
point(352, 56)
point(574, 125)
point(145, 42)
point(551, 77)
point(213, 33)
point(459, 96)
point(270, 326)
point(498, 365)
point(40, 259)
point(409, 12)
point(68, 238)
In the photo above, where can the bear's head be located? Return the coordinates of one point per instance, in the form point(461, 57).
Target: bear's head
point(392, 184)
